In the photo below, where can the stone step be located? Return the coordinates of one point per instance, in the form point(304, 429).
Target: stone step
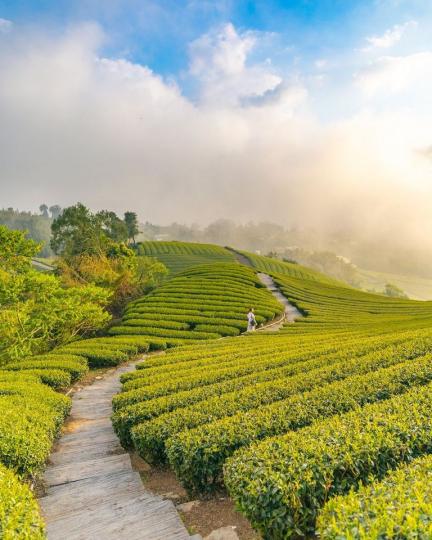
point(62, 474)
point(139, 518)
point(71, 498)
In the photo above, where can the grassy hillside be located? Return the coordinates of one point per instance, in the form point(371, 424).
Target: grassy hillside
point(179, 256)
point(205, 302)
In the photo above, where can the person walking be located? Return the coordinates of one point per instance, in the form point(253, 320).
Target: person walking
point(251, 320)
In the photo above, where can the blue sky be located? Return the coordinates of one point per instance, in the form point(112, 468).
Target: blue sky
point(157, 33)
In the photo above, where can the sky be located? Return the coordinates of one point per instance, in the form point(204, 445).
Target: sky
point(312, 112)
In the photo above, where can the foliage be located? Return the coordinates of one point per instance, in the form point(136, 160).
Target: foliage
point(131, 221)
point(204, 302)
point(78, 231)
point(36, 311)
point(37, 226)
point(398, 507)
point(394, 291)
point(19, 511)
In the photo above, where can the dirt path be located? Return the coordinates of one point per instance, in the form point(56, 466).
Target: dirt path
point(92, 491)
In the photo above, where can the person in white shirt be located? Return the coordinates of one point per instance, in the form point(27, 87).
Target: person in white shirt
point(251, 321)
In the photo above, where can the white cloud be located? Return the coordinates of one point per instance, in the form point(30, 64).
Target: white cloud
point(5, 26)
point(113, 134)
point(219, 62)
point(390, 37)
point(321, 63)
point(392, 74)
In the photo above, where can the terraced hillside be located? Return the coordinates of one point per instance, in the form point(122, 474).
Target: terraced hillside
point(179, 256)
point(279, 419)
point(205, 302)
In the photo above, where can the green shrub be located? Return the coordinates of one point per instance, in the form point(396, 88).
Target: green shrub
point(56, 378)
point(222, 330)
point(31, 415)
point(101, 357)
point(197, 456)
point(398, 507)
point(281, 484)
point(73, 364)
point(19, 511)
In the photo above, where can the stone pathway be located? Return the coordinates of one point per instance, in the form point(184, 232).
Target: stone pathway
point(93, 492)
point(291, 313)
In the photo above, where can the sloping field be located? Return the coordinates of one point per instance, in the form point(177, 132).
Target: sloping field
point(272, 266)
point(205, 302)
point(247, 412)
point(179, 256)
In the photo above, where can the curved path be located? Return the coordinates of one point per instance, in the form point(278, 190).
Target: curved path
point(93, 492)
point(291, 313)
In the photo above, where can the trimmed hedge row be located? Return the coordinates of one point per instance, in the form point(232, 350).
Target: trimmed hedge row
point(281, 484)
point(191, 320)
point(158, 425)
point(19, 511)
point(309, 358)
point(161, 332)
point(197, 456)
point(214, 299)
point(149, 437)
point(170, 325)
point(31, 415)
point(398, 507)
point(97, 357)
point(70, 363)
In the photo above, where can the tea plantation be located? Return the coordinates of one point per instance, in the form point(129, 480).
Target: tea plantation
point(179, 256)
point(322, 427)
point(286, 421)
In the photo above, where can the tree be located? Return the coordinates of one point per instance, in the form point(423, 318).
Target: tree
point(394, 291)
point(44, 210)
point(37, 312)
point(55, 211)
point(37, 226)
point(112, 226)
point(77, 231)
point(93, 251)
point(131, 221)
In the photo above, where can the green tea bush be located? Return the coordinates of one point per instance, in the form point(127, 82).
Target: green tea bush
point(282, 483)
point(73, 364)
point(19, 511)
point(197, 456)
point(398, 507)
point(31, 415)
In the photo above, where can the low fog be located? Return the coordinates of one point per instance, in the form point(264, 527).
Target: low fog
point(347, 157)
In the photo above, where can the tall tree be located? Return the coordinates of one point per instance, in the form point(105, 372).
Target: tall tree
point(55, 211)
point(44, 210)
point(131, 221)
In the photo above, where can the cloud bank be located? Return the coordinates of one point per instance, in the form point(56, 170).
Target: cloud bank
point(250, 145)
